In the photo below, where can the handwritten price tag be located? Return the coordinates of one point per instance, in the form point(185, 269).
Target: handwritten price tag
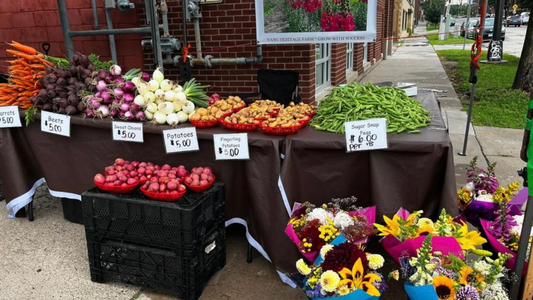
point(366, 135)
point(9, 117)
point(181, 140)
point(55, 123)
point(127, 131)
point(231, 146)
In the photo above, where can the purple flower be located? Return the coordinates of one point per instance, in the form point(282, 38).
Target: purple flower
point(467, 293)
point(448, 273)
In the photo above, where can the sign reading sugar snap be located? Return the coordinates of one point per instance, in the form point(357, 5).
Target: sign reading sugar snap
point(55, 123)
point(366, 135)
point(181, 140)
point(231, 146)
point(9, 117)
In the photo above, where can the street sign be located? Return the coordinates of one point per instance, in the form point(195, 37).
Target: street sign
point(515, 6)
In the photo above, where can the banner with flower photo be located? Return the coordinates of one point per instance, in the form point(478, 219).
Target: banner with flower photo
point(310, 227)
point(315, 21)
point(405, 232)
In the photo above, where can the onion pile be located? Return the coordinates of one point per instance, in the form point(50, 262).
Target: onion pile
point(63, 87)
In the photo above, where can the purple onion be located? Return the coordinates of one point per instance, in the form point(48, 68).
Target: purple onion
point(106, 97)
point(102, 74)
point(115, 70)
point(129, 87)
point(121, 114)
point(129, 116)
point(89, 113)
point(140, 116)
point(119, 92)
point(145, 77)
point(103, 110)
point(98, 95)
point(119, 79)
point(113, 113)
point(134, 107)
point(101, 86)
point(128, 97)
point(109, 79)
point(94, 102)
point(124, 107)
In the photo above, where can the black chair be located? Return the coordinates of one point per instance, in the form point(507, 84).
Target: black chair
point(278, 85)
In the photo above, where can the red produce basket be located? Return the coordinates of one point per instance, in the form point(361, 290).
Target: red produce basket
point(204, 124)
point(116, 189)
point(304, 121)
point(162, 196)
point(239, 127)
point(237, 108)
point(312, 113)
point(200, 188)
point(280, 130)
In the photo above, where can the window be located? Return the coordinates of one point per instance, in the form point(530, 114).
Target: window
point(322, 66)
point(349, 57)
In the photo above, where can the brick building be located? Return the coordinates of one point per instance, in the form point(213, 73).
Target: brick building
point(227, 30)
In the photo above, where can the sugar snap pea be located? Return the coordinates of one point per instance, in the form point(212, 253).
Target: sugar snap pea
point(361, 102)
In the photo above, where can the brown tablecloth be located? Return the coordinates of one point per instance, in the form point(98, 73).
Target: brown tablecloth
point(416, 172)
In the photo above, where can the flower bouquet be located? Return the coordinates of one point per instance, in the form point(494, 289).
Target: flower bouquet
point(406, 232)
point(476, 198)
point(346, 272)
point(503, 233)
point(435, 277)
point(310, 227)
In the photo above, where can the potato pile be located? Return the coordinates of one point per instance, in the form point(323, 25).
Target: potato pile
point(256, 112)
point(243, 116)
point(218, 109)
point(300, 108)
point(206, 114)
point(270, 105)
point(281, 121)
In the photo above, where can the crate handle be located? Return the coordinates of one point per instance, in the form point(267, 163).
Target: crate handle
point(210, 247)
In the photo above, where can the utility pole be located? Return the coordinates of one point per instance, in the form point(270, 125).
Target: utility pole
point(495, 52)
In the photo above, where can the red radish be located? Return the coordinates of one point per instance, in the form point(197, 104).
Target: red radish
point(195, 176)
point(195, 182)
point(172, 185)
point(181, 188)
point(124, 184)
point(99, 178)
point(203, 176)
point(132, 181)
point(109, 184)
point(203, 182)
point(182, 173)
point(207, 170)
point(123, 178)
point(181, 167)
point(121, 174)
point(133, 173)
point(188, 180)
point(166, 167)
point(141, 171)
point(135, 164)
point(154, 187)
point(154, 179)
point(163, 179)
point(173, 193)
point(175, 169)
point(119, 162)
point(209, 178)
point(148, 172)
point(200, 170)
point(143, 178)
point(193, 171)
point(162, 187)
point(142, 165)
point(129, 167)
point(109, 169)
point(111, 178)
point(117, 183)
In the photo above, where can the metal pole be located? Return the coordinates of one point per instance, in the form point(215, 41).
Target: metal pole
point(156, 41)
point(495, 52)
point(473, 75)
point(111, 36)
point(109, 31)
point(95, 15)
point(467, 23)
point(65, 26)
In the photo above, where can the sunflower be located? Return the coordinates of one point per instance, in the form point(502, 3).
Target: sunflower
point(468, 240)
point(425, 226)
point(466, 275)
point(392, 228)
point(444, 287)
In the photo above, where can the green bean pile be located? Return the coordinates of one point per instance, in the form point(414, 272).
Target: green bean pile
point(361, 102)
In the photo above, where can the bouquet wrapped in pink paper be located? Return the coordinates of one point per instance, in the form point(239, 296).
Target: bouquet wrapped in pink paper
point(405, 232)
point(312, 227)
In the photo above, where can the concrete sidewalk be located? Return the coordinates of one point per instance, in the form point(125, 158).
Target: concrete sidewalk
point(47, 258)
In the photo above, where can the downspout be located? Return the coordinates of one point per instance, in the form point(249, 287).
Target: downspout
point(95, 15)
point(197, 38)
point(164, 13)
point(111, 37)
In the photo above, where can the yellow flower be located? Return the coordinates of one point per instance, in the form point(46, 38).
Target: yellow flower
point(354, 279)
point(302, 267)
point(413, 217)
point(466, 275)
point(375, 261)
point(425, 226)
point(329, 281)
point(393, 226)
point(444, 287)
point(328, 232)
point(325, 250)
point(464, 197)
point(344, 290)
point(395, 274)
point(469, 240)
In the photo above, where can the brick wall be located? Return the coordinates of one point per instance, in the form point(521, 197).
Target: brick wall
point(33, 22)
point(338, 64)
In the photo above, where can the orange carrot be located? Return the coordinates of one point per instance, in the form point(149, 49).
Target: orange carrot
point(23, 48)
point(20, 54)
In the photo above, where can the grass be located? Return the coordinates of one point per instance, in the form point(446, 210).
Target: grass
point(434, 40)
point(431, 26)
point(496, 104)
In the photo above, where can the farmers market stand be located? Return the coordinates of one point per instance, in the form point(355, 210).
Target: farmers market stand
point(416, 172)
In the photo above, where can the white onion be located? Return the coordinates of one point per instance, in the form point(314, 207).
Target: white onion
point(178, 88)
point(149, 115)
point(136, 81)
point(159, 100)
point(166, 85)
point(188, 107)
point(170, 96)
point(177, 105)
point(173, 119)
point(160, 118)
point(142, 88)
point(153, 85)
point(181, 96)
point(149, 97)
point(159, 94)
point(157, 75)
point(183, 117)
point(166, 107)
point(151, 107)
point(139, 100)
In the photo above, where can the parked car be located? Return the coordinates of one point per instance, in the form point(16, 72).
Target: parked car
point(514, 20)
point(468, 29)
point(489, 28)
point(452, 21)
point(525, 17)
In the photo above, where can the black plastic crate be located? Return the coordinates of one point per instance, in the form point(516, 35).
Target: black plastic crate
point(135, 218)
point(157, 269)
point(72, 210)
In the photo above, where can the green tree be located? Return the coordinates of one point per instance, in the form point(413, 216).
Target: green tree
point(432, 10)
point(524, 74)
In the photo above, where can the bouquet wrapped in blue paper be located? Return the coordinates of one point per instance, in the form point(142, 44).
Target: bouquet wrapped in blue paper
point(343, 271)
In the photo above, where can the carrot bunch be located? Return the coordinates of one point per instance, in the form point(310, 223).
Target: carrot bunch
point(25, 74)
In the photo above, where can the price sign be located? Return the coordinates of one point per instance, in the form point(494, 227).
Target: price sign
point(55, 123)
point(366, 135)
point(231, 146)
point(181, 140)
point(128, 131)
point(9, 117)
